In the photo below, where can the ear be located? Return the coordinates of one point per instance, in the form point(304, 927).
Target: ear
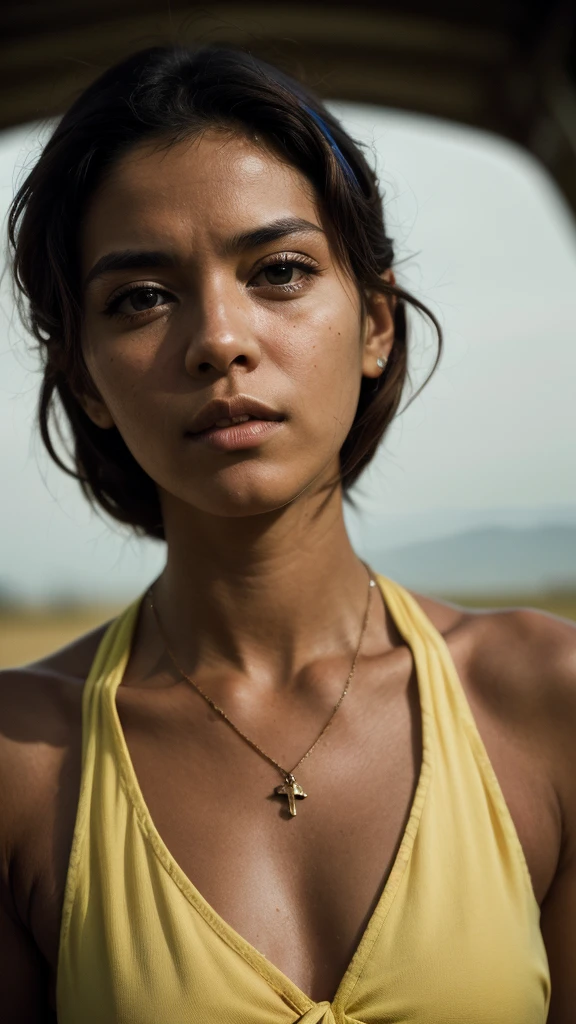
point(96, 410)
point(378, 336)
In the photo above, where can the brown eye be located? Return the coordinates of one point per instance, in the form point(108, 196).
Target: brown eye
point(144, 298)
point(137, 300)
point(287, 274)
point(279, 273)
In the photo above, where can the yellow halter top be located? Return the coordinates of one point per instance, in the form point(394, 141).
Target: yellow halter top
point(454, 937)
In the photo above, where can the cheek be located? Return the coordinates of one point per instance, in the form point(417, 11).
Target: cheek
point(125, 372)
point(324, 363)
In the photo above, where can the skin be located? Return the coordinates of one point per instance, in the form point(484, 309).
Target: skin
point(262, 599)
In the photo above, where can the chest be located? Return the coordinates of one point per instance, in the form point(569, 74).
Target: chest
point(300, 889)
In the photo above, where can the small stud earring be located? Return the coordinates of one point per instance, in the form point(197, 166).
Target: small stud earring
point(381, 362)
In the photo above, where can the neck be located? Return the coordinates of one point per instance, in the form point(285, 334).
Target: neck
point(261, 594)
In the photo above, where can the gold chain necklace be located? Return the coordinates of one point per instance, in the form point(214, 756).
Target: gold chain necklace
point(289, 788)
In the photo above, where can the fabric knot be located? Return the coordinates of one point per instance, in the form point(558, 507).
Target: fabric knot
point(321, 1013)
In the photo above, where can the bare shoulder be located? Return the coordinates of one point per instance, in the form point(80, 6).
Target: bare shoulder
point(40, 718)
point(518, 665)
point(524, 661)
point(523, 658)
point(40, 767)
point(32, 695)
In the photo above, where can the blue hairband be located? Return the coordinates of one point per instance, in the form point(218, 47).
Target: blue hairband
point(332, 143)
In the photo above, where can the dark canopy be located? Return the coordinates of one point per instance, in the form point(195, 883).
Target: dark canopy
point(503, 65)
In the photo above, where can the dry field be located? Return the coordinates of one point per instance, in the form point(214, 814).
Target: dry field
point(26, 635)
point(31, 634)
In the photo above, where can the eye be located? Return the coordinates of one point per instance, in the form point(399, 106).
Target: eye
point(280, 273)
point(135, 300)
point(286, 275)
point(145, 298)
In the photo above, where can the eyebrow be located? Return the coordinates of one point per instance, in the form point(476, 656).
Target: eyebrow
point(128, 259)
point(137, 259)
point(271, 233)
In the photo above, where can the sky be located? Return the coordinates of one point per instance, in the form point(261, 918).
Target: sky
point(484, 238)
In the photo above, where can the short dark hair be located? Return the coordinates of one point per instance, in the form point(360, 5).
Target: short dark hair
point(173, 93)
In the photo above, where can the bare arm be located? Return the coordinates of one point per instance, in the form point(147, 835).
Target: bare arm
point(23, 974)
point(29, 744)
point(556, 662)
point(559, 931)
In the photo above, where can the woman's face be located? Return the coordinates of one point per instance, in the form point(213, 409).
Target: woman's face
point(210, 275)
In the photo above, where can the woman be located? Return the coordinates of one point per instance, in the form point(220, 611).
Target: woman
point(203, 260)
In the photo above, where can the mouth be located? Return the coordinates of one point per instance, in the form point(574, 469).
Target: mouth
point(238, 422)
point(236, 434)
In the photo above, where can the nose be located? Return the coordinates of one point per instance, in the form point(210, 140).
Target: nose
point(222, 336)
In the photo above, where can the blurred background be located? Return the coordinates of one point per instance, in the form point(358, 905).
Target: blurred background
point(468, 111)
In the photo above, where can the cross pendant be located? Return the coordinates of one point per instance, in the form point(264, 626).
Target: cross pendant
point(291, 789)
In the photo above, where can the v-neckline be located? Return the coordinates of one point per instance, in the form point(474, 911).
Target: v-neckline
point(280, 982)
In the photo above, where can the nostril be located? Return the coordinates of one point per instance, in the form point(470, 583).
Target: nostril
point(204, 367)
point(241, 360)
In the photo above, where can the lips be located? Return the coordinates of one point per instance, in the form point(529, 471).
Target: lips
point(222, 412)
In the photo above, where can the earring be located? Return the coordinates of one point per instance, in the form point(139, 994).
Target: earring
point(381, 362)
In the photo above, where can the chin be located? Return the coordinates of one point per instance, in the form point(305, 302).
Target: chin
point(239, 492)
point(238, 504)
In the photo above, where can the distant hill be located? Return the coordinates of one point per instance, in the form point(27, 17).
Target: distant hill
point(489, 560)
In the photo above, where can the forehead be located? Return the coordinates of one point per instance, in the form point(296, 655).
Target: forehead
point(186, 193)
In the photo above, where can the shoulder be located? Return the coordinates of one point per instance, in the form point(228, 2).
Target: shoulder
point(34, 694)
point(40, 767)
point(523, 658)
point(518, 666)
point(40, 721)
